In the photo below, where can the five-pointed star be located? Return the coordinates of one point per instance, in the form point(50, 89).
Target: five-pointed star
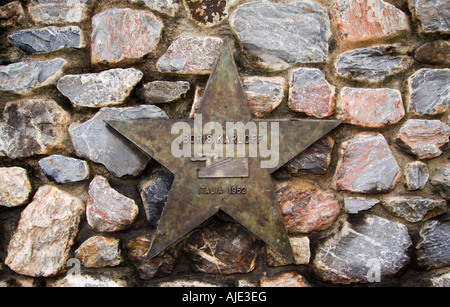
point(186, 207)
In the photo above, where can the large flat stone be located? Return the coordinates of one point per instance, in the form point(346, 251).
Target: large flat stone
point(138, 35)
point(97, 90)
point(283, 34)
point(23, 77)
point(48, 39)
point(32, 127)
point(367, 165)
point(428, 91)
point(415, 208)
point(40, 247)
point(433, 250)
point(367, 20)
point(94, 140)
point(365, 249)
point(432, 15)
point(190, 55)
point(59, 11)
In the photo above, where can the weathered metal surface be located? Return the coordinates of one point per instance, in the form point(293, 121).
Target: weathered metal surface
point(198, 193)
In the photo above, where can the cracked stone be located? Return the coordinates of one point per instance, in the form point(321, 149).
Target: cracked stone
point(428, 91)
point(48, 39)
point(440, 179)
point(23, 77)
point(160, 265)
point(372, 108)
point(59, 11)
point(163, 91)
point(415, 208)
point(107, 88)
point(416, 175)
point(64, 169)
point(433, 250)
point(15, 186)
point(283, 34)
point(32, 127)
point(222, 249)
point(367, 20)
point(310, 93)
point(305, 208)
point(40, 247)
point(423, 138)
point(95, 141)
point(138, 35)
point(154, 190)
point(315, 159)
point(107, 210)
point(99, 252)
point(433, 15)
point(367, 165)
point(362, 246)
point(190, 55)
point(373, 64)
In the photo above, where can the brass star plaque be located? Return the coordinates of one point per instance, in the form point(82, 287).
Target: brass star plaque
point(222, 160)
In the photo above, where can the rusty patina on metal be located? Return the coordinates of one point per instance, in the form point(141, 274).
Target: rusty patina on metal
point(249, 198)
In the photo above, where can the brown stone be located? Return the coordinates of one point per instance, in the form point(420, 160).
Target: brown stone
point(310, 93)
point(107, 210)
point(305, 208)
point(435, 52)
point(367, 165)
point(367, 20)
point(300, 247)
point(10, 14)
point(289, 279)
point(160, 265)
point(222, 249)
point(315, 159)
point(372, 108)
point(423, 138)
point(208, 12)
point(138, 34)
point(99, 252)
point(41, 245)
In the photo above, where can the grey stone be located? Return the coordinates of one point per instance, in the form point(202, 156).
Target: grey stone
point(107, 88)
point(15, 187)
point(40, 247)
point(428, 91)
point(363, 245)
point(423, 137)
point(107, 210)
point(440, 179)
point(355, 205)
point(23, 77)
point(154, 190)
point(416, 175)
point(94, 140)
point(163, 91)
point(373, 64)
point(190, 55)
point(433, 15)
point(415, 208)
point(167, 7)
point(264, 94)
point(59, 11)
point(138, 35)
point(367, 165)
point(433, 250)
point(32, 127)
point(48, 39)
point(283, 34)
point(64, 169)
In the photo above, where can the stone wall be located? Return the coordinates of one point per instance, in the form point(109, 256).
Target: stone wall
point(365, 205)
